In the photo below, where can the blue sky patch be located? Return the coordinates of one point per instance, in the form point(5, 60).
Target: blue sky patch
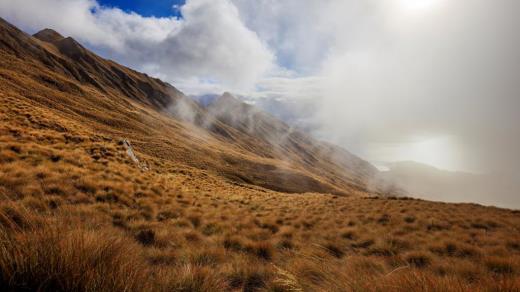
point(157, 8)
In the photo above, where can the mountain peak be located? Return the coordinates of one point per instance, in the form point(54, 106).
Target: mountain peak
point(70, 47)
point(4, 23)
point(48, 35)
point(229, 98)
point(227, 95)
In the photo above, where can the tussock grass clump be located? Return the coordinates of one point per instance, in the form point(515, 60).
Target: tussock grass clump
point(206, 257)
point(234, 243)
point(145, 237)
point(211, 229)
point(249, 276)
point(193, 236)
point(285, 244)
point(167, 215)
point(454, 249)
point(55, 258)
point(158, 257)
point(349, 234)
point(35, 204)
point(334, 249)
point(195, 220)
point(192, 278)
point(262, 249)
point(409, 219)
point(419, 259)
point(363, 243)
point(500, 266)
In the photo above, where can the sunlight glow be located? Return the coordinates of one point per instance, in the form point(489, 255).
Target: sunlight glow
point(417, 6)
point(438, 152)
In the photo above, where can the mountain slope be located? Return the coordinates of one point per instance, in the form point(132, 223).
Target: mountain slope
point(71, 81)
point(336, 165)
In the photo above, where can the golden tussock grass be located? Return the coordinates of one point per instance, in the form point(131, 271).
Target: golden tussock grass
point(215, 237)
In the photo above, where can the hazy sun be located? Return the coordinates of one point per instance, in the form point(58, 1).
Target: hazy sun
point(435, 151)
point(442, 152)
point(415, 6)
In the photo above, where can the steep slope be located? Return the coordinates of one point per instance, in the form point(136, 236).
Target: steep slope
point(336, 166)
point(66, 57)
point(99, 96)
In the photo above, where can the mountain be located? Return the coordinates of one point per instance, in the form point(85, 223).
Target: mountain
point(430, 183)
point(70, 81)
point(335, 165)
point(297, 113)
point(287, 111)
point(75, 64)
point(206, 99)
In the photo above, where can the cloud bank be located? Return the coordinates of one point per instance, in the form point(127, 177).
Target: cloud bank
point(394, 76)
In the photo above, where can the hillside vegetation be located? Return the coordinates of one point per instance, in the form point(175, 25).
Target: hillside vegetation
point(214, 204)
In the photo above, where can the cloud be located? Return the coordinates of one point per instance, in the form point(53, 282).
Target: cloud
point(213, 43)
point(209, 44)
point(295, 29)
point(86, 20)
point(393, 74)
point(448, 71)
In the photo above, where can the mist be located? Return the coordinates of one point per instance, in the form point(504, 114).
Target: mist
point(438, 85)
point(391, 78)
point(426, 182)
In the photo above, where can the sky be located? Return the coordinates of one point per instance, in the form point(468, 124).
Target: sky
point(432, 81)
point(147, 8)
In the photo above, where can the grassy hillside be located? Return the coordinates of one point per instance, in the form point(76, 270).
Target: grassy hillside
point(207, 208)
point(76, 87)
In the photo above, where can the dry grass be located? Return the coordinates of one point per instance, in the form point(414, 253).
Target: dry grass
point(217, 236)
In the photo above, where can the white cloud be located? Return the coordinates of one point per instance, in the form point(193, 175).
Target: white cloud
point(209, 43)
point(213, 43)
